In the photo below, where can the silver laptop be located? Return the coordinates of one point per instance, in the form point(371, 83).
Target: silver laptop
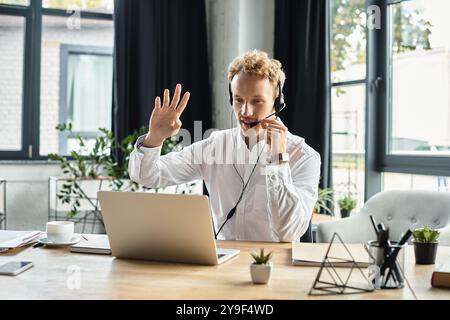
point(162, 227)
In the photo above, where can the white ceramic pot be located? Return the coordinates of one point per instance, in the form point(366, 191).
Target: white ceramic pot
point(261, 272)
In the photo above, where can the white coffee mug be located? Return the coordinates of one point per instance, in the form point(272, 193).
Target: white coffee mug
point(60, 231)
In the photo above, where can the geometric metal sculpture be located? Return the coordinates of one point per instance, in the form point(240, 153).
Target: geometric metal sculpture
point(332, 279)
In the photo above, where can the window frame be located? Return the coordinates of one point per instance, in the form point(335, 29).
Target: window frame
point(31, 86)
point(66, 50)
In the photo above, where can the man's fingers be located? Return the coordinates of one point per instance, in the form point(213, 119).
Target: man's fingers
point(281, 128)
point(276, 125)
point(166, 100)
point(273, 126)
point(273, 135)
point(157, 103)
point(274, 131)
point(268, 138)
point(176, 97)
point(183, 102)
point(272, 121)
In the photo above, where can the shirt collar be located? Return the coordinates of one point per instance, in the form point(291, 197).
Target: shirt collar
point(240, 138)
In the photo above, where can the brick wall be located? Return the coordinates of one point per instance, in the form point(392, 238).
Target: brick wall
point(11, 56)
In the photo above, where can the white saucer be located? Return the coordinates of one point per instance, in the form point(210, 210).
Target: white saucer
point(48, 242)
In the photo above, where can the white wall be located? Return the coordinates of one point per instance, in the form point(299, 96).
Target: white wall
point(235, 26)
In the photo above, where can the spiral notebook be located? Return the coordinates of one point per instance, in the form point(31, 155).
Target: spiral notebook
point(98, 244)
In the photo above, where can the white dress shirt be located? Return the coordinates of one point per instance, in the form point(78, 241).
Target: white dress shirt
point(278, 202)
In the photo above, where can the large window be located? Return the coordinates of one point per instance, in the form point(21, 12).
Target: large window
point(105, 6)
point(408, 98)
point(76, 79)
point(12, 45)
point(348, 63)
point(396, 181)
point(86, 93)
point(55, 66)
point(419, 63)
point(16, 2)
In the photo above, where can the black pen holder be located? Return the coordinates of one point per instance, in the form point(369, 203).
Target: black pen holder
point(387, 273)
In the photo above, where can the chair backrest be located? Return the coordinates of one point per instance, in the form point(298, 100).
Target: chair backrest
point(396, 209)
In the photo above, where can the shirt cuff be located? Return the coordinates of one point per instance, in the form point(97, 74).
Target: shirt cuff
point(146, 150)
point(282, 171)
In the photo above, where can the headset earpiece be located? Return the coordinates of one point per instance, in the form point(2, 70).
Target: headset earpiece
point(279, 101)
point(230, 93)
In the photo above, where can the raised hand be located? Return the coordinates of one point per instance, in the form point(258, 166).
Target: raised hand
point(165, 119)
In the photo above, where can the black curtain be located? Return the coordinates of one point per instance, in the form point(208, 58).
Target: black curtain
point(159, 43)
point(302, 36)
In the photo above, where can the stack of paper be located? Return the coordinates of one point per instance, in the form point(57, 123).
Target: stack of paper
point(16, 239)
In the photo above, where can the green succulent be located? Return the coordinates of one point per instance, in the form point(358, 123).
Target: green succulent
point(347, 203)
point(426, 235)
point(261, 258)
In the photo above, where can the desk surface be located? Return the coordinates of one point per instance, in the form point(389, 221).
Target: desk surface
point(105, 277)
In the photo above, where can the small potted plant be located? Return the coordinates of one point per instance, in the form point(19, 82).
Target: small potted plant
point(324, 201)
point(261, 268)
point(425, 242)
point(347, 204)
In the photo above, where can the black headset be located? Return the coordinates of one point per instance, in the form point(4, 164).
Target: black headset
point(278, 104)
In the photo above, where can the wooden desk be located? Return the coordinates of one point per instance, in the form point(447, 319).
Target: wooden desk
point(105, 277)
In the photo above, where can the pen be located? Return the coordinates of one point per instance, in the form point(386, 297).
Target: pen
point(405, 237)
point(374, 224)
point(390, 259)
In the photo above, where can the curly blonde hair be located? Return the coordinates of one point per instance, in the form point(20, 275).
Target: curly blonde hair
point(258, 63)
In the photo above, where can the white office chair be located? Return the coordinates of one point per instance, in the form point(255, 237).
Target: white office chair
point(398, 210)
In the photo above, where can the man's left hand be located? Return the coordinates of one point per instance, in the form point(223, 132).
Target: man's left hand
point(275, 135)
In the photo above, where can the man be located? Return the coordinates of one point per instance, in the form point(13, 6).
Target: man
point(268, 199)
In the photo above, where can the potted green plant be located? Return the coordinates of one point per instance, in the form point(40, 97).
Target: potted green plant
point(261, 268)
point(347, 204)
point(426, 241)
point(324, 201)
